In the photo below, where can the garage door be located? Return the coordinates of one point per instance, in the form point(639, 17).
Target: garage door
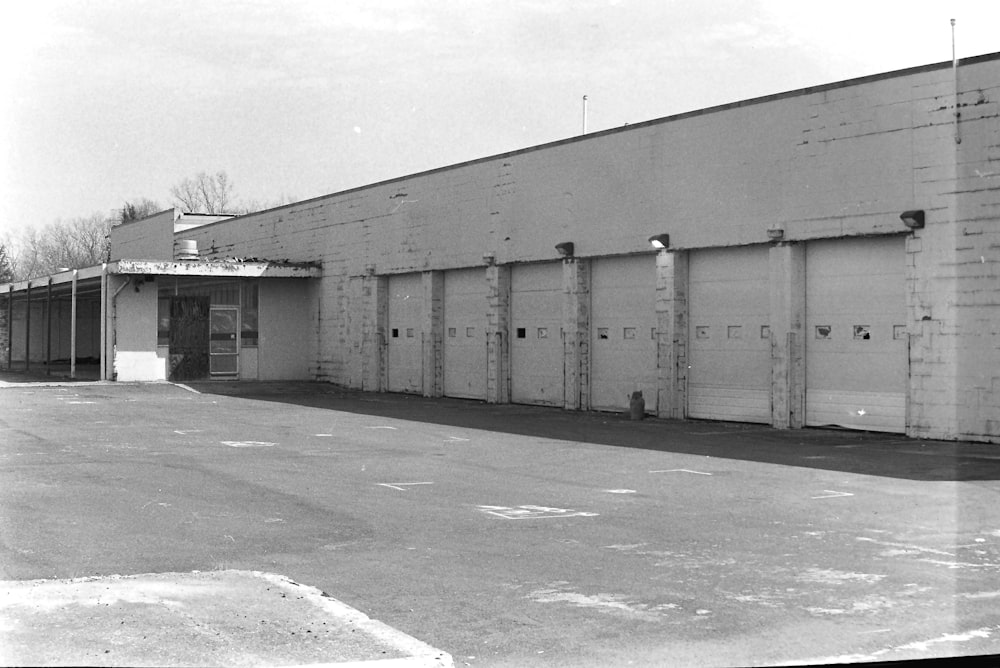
point(623, 332)
point(856, 351)
point(729, 338)
point(465, 306)
point(536, 359)
point(404, 362)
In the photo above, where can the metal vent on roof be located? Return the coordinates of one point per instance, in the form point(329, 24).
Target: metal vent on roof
point(187, 249)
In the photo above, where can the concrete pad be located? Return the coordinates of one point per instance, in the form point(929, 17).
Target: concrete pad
point(219, 618)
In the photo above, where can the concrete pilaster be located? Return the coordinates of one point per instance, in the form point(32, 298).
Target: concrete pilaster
point(432, 343)
point(374, 320)
point(787, 282)
point(576, 333)
point(497, 335)
point(671, 333)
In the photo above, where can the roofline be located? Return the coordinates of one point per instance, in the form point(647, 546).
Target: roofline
point(642, 124)
point(207, 268)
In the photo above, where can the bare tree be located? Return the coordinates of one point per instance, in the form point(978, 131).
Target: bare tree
point(73, 244)
point(205, 193)
point(246, 206)
point(6, 265)
point(137, 210)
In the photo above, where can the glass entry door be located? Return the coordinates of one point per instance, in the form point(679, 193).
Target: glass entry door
point(224, 348)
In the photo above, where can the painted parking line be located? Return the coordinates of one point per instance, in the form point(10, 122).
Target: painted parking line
point(620, 491)
point(830, 494)
point(680, 471)
point(381, 427)
point(532, 512)
point(248, 444)
point(401, 486)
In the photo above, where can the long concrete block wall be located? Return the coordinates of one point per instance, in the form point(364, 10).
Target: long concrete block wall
point(954, 281)
point(834, 161)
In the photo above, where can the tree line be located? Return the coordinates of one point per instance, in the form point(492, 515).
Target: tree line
point(86, 241)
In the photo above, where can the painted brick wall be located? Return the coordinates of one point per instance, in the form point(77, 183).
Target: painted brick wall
point(841, 160)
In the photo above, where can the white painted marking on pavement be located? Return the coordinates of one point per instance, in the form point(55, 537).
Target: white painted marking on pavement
point(980, 595)
point(680, 471)
point(455, 439)
point(606, 603)
point(401, 486)
point(381, 427)
point(185, 432)
point(620, 491)
point(830, 494)
point(532, 512)
point(905, 546)
point(248, 444)
point(924, 645)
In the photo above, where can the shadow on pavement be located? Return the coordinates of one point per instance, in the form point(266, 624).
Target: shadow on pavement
point(868, 453)
point(53, 373)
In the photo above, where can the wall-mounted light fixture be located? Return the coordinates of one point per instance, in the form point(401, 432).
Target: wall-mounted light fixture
point(565, 248)
point(775, 233)
point(369, 269)
point(489, 259)
point(913, 219)
point(660, 241)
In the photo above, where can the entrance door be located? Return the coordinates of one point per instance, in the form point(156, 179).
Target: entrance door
point(224, 351)
point(536, 348)
point(729, 338)
point(188, 338)
point(465, 302)
point(623, 323)
point(405, 362)
point(856, 352)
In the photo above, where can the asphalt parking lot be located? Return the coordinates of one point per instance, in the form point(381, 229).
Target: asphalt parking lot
point(517, 535)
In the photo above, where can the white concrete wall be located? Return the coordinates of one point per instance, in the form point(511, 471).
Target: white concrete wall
point(834, 161)
point(287, 327)
point(150, 238)
point(133, 315)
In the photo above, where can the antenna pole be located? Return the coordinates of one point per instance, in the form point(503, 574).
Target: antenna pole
point(954, 62)
point(954, 74)
point(584, 115)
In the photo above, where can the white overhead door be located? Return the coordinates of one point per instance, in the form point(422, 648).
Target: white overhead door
point(623, 331)
point(729, 338)
point(856, 342)
point(465, 306)
point(536, 352)
point(404, 365)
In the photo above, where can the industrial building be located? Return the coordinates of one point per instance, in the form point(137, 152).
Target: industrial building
point(826, 256)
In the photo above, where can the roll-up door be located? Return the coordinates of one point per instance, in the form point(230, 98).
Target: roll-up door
point(729, 338)
point(405, 357)
point(856, 350)
point(536, 352)
point(623, 331)
point(465, 305)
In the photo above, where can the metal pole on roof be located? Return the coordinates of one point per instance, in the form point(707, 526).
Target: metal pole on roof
point(954, 73)
point(953, 60)
point(584, 115)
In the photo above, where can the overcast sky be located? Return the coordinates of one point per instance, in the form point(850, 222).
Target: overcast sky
point(103, 101)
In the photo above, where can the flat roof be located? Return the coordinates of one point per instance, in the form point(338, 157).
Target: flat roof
point(204, 268)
